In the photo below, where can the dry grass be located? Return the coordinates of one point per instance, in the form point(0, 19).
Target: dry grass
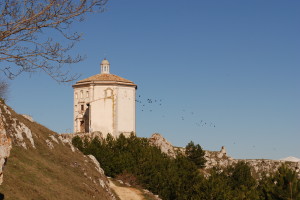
point(44, 173)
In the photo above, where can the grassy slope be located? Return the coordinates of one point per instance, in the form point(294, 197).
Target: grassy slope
point(45, 173)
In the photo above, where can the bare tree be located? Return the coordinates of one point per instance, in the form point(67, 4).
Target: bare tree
point(3, 89)
point(28, 35)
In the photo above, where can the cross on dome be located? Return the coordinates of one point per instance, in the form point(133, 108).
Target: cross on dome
point(104, 66)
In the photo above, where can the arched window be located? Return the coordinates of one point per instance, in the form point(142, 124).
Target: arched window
point(76, 95)
point(81, 94)
point(87, 94)
point(108, 92)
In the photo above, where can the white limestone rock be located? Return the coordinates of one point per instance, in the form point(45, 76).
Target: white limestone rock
point(97, 164)
point(16, 129)
point(67, 140)
point(5, 147)
point(6, 109)
point(166, 147)
point(49, 144)
point(101, 182)
point(21, 128)
point(54, 139)
point(28, 117)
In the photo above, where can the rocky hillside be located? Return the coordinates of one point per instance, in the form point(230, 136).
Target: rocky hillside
point(43, 165)
point(221, 159)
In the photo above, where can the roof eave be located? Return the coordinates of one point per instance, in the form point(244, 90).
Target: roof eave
point(86, 83)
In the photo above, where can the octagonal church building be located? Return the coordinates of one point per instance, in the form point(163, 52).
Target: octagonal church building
point(106, 103)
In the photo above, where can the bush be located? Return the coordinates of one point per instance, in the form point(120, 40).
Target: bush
point(77, 142)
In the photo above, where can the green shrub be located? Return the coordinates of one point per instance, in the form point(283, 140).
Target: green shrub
point(195, 154)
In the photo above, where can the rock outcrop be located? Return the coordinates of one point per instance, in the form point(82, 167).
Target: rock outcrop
point(165, 146)
point(5, 146)
point(258, 166)
point(222, 160)
point(88, 136)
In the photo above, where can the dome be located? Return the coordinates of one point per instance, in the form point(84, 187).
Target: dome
point(104, 62)
point(104, 78)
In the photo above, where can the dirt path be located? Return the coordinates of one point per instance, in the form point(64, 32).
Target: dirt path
point(126, 193)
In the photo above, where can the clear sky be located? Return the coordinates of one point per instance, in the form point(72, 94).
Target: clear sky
point(226, 72)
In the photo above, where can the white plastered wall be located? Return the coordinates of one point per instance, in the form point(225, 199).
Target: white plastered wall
point(102, 110)
point(126, 110)
point(112, 108)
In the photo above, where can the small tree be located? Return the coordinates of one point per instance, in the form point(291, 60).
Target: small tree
point(216, 186)
point(240, 174)
point(283, 185)
point(77, 142)
point(242, 182)
point(195, 154)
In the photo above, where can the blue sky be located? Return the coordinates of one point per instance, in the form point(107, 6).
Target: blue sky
point(233, 65)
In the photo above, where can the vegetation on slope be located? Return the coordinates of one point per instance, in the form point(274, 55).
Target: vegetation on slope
point(181, 178)
point(168, 177)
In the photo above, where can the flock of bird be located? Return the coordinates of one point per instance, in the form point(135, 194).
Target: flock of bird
point(149, 104)
point(145, 103)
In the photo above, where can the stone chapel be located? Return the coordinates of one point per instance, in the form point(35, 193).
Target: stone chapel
point(106, 103)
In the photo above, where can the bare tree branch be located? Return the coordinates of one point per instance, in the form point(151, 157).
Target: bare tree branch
point(25, 45)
